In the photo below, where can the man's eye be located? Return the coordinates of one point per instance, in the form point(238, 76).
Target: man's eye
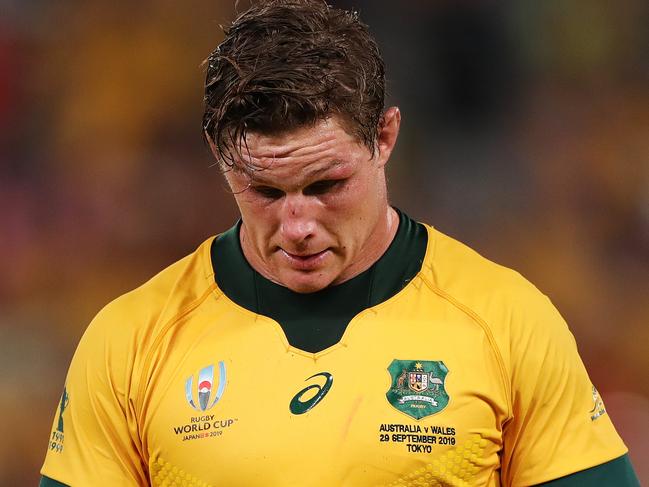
point(268, 192)
point(321, 187)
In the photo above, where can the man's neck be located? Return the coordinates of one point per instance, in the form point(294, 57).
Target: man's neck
point(375, 246)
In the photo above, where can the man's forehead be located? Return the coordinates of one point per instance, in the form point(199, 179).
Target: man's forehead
point(299, 139)
point(306, 151)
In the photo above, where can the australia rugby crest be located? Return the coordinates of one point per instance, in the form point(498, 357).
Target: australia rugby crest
point(417, 387)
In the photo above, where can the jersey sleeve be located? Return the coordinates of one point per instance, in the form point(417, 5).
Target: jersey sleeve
point(94, 438)
point(559, 424)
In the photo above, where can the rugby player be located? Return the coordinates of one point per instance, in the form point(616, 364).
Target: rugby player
point(325, 339)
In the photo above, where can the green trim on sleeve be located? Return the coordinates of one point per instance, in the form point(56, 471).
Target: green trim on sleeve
point(48, 482)
point(616, 473)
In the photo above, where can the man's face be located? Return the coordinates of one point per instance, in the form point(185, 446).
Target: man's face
point(315, 210)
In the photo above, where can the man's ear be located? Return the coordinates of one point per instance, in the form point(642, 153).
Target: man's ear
point(387, 134)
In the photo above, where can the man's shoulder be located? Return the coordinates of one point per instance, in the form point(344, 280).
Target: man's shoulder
point(516, 318)
point(459, 269)
point(171, 291)
point(497, 296)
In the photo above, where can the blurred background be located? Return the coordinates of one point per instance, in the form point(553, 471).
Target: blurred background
point(525, 134)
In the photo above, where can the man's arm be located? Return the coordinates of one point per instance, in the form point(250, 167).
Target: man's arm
point(94, 438)
point(616, 473)
point(48, 482)
point(559, 427)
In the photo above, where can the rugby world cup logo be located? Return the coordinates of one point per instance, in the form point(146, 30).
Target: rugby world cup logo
point(207, 397)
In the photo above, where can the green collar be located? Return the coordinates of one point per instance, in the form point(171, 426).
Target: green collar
point(310, 321)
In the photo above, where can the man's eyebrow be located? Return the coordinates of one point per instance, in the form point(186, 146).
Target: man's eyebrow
point(257, 177)
point(317, 172)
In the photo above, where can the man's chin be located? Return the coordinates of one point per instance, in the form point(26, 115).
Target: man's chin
point(305, 283)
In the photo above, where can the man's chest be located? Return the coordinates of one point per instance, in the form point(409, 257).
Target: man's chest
point(402, 398)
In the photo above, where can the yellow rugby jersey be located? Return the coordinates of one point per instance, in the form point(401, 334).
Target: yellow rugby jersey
point(466, 376)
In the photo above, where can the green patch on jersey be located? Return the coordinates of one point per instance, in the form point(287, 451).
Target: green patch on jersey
point(65, 399)
point(417, 387)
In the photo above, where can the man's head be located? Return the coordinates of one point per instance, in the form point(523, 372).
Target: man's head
point(285, 64)
point(294, 115)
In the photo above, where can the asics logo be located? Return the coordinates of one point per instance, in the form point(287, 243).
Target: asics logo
point(298, 406)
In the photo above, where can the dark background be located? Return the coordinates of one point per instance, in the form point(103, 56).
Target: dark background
point(525, 134)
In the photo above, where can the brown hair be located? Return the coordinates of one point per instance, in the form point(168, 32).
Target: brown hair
point(287, 63)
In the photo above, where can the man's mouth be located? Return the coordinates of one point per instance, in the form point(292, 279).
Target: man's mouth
point(304, 262)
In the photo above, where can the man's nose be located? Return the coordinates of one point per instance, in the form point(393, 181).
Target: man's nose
point(297, 219)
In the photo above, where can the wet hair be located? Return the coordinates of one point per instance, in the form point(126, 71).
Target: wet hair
point(285, 64)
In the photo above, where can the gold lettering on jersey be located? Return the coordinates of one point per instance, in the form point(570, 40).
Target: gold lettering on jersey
point(198, 419)
point(56, 442)
point(203, 427)
point(415, 428)
point(417, 438)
